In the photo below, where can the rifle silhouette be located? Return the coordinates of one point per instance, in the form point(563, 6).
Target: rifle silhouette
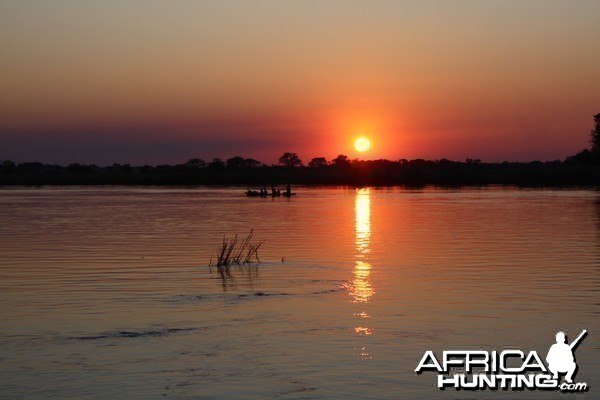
point(576, 341)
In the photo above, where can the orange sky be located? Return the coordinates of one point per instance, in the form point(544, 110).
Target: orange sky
point(154, 81)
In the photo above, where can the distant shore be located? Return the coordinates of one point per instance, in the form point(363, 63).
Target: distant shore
point(357, 173)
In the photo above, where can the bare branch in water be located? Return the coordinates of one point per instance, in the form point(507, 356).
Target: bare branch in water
point(233, 251)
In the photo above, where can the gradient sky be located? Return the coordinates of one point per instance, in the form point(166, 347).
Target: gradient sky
point(164, 81)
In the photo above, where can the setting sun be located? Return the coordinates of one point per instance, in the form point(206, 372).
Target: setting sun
point(362, 144)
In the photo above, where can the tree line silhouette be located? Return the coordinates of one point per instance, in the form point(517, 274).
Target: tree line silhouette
point(582, 168)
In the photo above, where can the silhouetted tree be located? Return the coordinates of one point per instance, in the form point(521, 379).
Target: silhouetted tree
point(216, 163)
point(341, 161)
point(290, 160)
point(236, 162)
point(31, 166)
point(8, 166)
point(252, 163)
point(195, 163)
point(116, 167)
point(318, 162)
point(595, 135)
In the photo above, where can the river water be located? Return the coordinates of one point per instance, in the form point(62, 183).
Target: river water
point(106, 293)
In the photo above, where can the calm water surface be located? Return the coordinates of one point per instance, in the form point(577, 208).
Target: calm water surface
point(106, 292)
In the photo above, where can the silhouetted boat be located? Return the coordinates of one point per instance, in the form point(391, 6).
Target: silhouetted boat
point(257, 193)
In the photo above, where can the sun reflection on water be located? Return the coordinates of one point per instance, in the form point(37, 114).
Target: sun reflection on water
point(362, 222)
point(360, 288)
point(361, 330)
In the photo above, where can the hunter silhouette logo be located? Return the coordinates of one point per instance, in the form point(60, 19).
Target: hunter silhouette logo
point(560, 357)
point(511, 369)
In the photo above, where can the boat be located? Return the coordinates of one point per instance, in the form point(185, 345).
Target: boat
point(258, 193)
point(255, 193)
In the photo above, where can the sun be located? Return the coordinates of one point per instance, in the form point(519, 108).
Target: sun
point(362, 144)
